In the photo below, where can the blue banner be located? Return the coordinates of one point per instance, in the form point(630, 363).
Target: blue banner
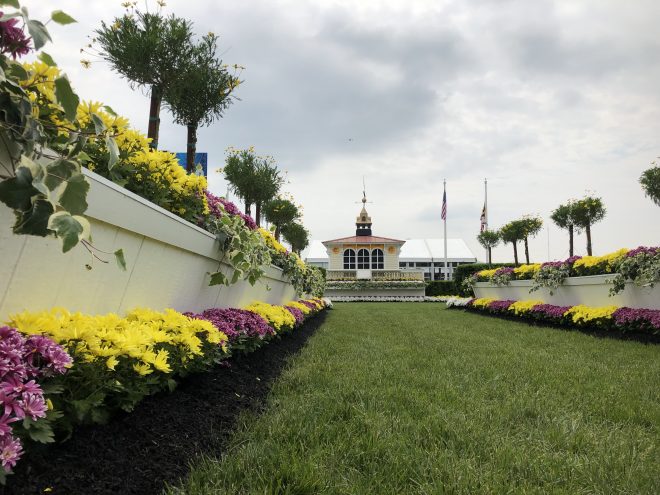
point(201, 160)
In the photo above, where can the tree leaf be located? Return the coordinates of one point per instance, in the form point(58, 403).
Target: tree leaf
point(59, 171)
point(39, 33)
point(35, 220)
point(66, 97)
point(114, 152)
point(74, 197)
point(62, 18)
point(67, 228)
point(11, 3)
point(99, 125)
point(119, 258)
point(17, 192)
point(87, 228)
point(218, 278)
point(109, 109)
point(17, 71)
point(47, 59)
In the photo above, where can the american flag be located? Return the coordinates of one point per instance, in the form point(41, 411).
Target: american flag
point(443, 215)
point(483, 219)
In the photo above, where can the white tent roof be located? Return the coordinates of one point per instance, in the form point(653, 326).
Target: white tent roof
point(425, 249)
point(315, 252)
point(412, 250)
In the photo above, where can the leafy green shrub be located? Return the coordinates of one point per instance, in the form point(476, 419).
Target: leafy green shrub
point(462, 272)
point(441, 288)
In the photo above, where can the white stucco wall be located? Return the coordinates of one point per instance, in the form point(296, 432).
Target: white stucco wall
point(169, 261)
point(590, 291)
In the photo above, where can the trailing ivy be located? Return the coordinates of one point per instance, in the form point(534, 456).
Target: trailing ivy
point(41, 156)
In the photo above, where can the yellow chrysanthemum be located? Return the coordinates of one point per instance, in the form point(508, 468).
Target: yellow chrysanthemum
point(300, 306)
point(277, 317)
point(482, 302)
point(526, 271)
point(521, 307)
point(606, 261)
point(582, 314)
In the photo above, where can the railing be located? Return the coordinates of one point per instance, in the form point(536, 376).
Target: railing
point(397, 275)
point(376, 275)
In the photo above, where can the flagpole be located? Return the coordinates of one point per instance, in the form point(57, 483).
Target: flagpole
point(444, 184)
point(486, 214)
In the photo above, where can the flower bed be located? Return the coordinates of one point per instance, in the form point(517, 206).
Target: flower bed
point(607, 318)
point(92, 366)
point(174, 429)
point(627, 277)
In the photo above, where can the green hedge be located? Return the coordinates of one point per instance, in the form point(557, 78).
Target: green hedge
point(441, 288)
point(461, 272)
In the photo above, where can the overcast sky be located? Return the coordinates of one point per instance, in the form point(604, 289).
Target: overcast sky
point(547, 99)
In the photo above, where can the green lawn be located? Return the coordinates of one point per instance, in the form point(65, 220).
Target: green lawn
point(411, 398)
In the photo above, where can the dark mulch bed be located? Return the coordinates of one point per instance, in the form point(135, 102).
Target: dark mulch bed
point(138, 453)
point(643, 337)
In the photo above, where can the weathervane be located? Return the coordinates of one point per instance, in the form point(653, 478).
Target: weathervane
point(364, 193)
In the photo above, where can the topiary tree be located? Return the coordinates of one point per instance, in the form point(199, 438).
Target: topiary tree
point(296, 235)
point(530, 227)
point(201, 94)
point(563, 217)
point(151, 51)
point(489, 239)
point(650, 181)
point(513, 232)
point(280, 212)
point(239, 171)
point(588, 211)
point(267, 182)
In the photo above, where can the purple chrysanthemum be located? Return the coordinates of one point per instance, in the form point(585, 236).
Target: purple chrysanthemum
point(550, 310)
point(297, 314)
point(640, 318)
point(500, 306)
point(236, 323)
point(33, 406)
point(651, 251)
point(22, 362)
point(13, 40)
point(220, 206)
point(10, 452)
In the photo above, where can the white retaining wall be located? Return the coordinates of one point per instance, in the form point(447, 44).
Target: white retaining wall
point(168, 263)
point(590, 291)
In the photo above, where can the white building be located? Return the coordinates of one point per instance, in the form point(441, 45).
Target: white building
point(426, 254)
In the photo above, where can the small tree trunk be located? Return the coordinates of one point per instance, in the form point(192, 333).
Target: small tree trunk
point(154, 116)
point(277, 232)
point(490, 256)
point(526, 251)
point(515, 252)
point(247, 208)
point(570, 240)
point(192, 148)
point(588, 231)
point(257, 213)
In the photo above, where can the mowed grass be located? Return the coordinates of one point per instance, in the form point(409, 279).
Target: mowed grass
point(410, 398)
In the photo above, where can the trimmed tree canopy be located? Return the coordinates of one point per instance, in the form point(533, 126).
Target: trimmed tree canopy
point(296, 235)
point(650, 181)
point(280, 212)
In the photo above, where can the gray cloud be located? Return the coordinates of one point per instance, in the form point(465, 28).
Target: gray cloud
point(547, 99)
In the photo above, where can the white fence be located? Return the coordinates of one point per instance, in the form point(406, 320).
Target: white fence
point(169, 261)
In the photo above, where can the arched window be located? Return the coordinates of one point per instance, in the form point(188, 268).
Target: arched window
point(349, 259)
point(363, 259)
point(377, 259)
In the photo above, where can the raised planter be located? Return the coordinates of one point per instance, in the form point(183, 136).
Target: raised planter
point(169, 261)
point(405, 292)
point(590, 291)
